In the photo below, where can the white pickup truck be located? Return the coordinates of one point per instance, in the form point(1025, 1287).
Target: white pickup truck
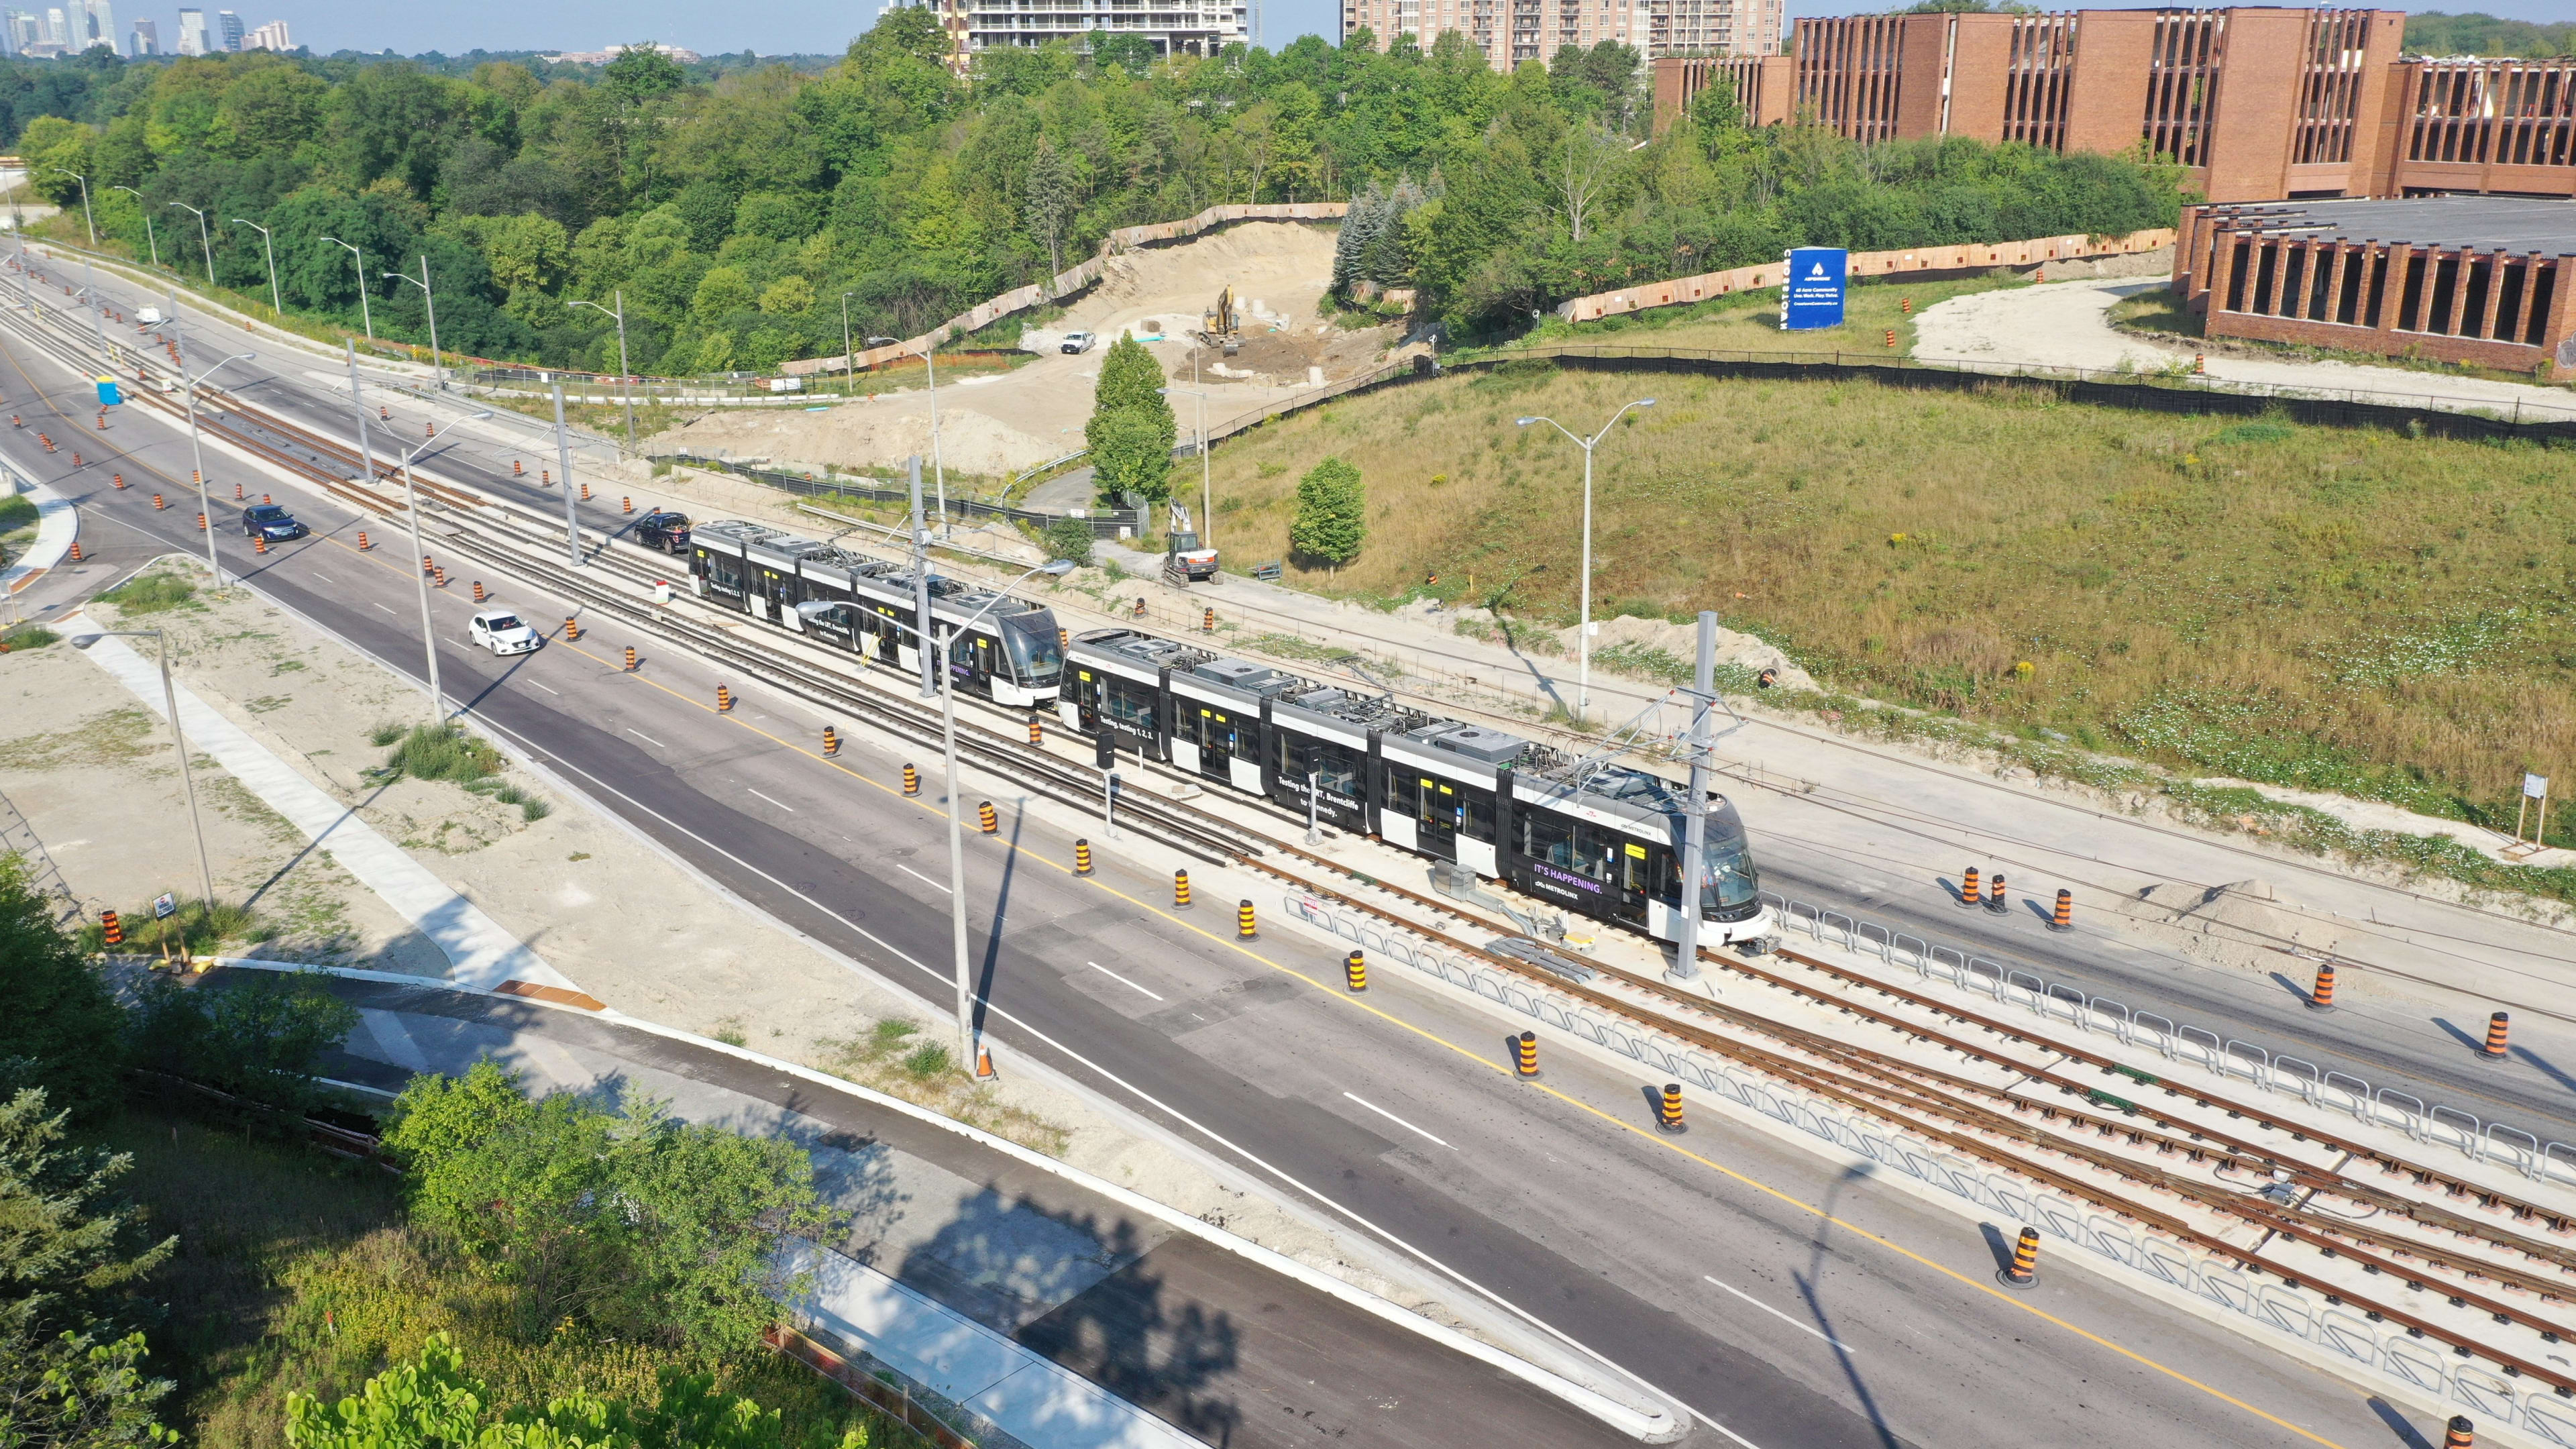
point(149, 316)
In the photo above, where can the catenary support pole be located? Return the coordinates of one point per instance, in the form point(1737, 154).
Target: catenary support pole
point(1695, 821)
point(920, 580)
point(358, 407)
point(563, 462)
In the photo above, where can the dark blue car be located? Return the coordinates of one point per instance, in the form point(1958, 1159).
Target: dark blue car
point(267, 520)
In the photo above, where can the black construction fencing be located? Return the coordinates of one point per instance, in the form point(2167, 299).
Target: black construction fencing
point(1104, 522)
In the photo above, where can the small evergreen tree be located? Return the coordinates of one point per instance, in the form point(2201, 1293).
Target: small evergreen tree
point(1332, 512)
point(57, 1018)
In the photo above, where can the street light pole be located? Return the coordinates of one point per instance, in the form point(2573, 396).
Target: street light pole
point(1583, 626)
point(204, 239)
point(563, 464)
point(938, 473)
point(624, 389)
point(358, 259)
point(179, 737)
point(149, 238)
point(86, 217)
point(428, 630)
point(269, 244)
point(429, 304)
point(196, 445)
point(947, 643)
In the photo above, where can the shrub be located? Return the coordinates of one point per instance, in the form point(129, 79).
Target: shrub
point(1068, 539)
point(16, 513)
point(151, 593)
point(443, 752)
point(54, 1009)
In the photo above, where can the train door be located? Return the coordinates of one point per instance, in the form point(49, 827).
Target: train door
point(1640, 877)
point(887, 636)
point(1439, 810)
point(1228, 748)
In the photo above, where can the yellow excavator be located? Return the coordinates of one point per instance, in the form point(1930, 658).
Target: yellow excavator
point(1221, 326)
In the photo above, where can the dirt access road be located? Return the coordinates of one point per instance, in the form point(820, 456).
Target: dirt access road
point(997, 424)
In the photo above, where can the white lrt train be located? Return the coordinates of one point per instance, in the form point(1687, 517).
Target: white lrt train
point(1601, 840)
point(1012, 655)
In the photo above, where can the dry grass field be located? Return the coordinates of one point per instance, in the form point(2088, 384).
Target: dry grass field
point(2354, 611)
point(1750, 321)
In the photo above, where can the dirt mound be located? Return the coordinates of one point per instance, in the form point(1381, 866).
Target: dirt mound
point(1272, 263)
point(1681, 642)
point(970, 441)
point(2244, 924)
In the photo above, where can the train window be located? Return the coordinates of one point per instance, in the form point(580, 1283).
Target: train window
point(1130, 705)
point(1548, 838)
point(724, 572)
point(1596, 851)
point(1403, 790)
point(1336, 767)
point(1731, 879)
point(1479, 821)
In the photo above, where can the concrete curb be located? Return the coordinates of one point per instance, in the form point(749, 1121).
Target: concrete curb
point(1651, 1428)
point(57, 524)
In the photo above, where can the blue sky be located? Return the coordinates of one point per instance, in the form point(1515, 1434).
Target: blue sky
point(769, 26)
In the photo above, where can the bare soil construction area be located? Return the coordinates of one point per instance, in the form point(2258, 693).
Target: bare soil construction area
point(998, 424)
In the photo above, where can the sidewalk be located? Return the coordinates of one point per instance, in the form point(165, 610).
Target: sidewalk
point(479, 951)
point(57, 524)
point(2067, 324)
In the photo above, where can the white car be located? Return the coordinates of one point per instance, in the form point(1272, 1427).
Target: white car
point(1077, 342)
point(500, 631)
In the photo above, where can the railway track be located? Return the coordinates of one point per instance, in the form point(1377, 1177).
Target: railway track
point(2162, 1156)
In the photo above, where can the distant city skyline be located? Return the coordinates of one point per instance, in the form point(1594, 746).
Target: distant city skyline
point(778, 27)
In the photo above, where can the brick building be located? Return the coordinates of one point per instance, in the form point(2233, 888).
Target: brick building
point(1512, 31)
point(2489, 280)
point(2258, 103)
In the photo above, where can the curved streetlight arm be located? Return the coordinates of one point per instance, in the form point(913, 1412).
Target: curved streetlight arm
point(212, 369)
point(86, 218)
point(268, 245)
point(1583, 624)
point(358, 259)
point(595, 307)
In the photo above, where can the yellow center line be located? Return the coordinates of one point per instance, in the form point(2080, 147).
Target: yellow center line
point(1330, 991)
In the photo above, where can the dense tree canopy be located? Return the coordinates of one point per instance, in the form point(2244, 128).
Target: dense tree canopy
point(736, 215)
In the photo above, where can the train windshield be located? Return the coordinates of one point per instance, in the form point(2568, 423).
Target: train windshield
point(1037, 657)
point(1732, 881)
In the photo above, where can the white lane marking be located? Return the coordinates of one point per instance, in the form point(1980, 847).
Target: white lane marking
point(389, 611)
point(1121, 980)
point(1776, 1313)
point(790, 809)
point(917, 875)
point(648, 739)
point(1391, 1117)
point(940, 974)
point(549, 691)
point(326, 578)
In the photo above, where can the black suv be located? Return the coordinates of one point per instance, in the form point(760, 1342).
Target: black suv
point(666, 531)
point(267, 520)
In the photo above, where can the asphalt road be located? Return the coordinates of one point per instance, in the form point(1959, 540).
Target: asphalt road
point(1785, 1303)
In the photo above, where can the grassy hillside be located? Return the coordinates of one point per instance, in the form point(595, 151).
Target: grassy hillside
point(2350, 611)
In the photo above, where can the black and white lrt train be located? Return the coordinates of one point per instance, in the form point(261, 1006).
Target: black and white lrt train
point(1012, 654)
point(1601, 840)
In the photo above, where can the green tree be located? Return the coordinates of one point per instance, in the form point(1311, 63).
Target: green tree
point(259, 1037)
point(640, 74)
point(1130, 454)
point(74, 1392)
point(1332, 513)
point(1052, 198)
point(1132, 429)
point(1069, 539)
point(1130, 378)
point(646, 1229)
point(722, 292)
point(787, 297)
point(436, 1404)
point(57, 1016)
